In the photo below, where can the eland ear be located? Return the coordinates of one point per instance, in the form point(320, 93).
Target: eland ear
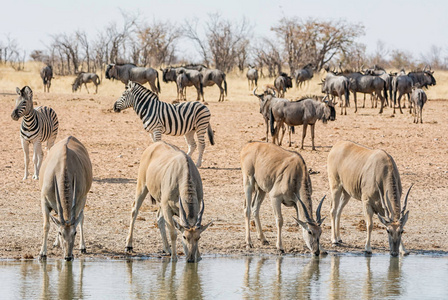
point(385, 223)
point(301, 223)
point(178, 226)
point(55, 221)
point(203, 228)
point(404, 219)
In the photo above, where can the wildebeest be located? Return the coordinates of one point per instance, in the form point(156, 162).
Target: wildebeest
point(283, 175)
point(218, 77)
point(337, 85)
point(267, 100)
point(252, 77)
point(38, 126)
point(46, 73)
point(418, 99)
point(402, 84)
point(84, 78)
point(191, 78)
point(65, 182)
point(378, 71)
point(172, 180)
point(303, 112)
point(369, 176)
point(368, 84)
point(130, 72)
point(282, 83)
point(303, 75)
point(423, 78)
point(181, 82)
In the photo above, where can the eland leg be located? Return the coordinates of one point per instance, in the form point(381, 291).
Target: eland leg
point(368, 213)
point(276, 205)
point(82, 242)
point(141, 193)
point(259, 197)
point(162, 229)
point(248, 183)
point(46, 227)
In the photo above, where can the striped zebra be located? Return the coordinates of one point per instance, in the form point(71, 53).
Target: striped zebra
point(38, 125)
point(163, 118)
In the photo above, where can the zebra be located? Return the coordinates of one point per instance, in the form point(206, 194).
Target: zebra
point(38, 125)
point(46, 74)
point(160, 117)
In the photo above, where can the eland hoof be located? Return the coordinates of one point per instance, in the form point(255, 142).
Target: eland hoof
point(129, 249)
point(265, 242)
point(83, 251)
point(42, 257)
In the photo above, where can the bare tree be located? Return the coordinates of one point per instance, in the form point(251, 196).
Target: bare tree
point(315, 41)
point(268, 55)
point(224, 40)
point(401, 60)
point(156, 43)
point(81, 37)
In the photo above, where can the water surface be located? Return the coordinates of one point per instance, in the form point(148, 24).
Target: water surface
point(286, 277)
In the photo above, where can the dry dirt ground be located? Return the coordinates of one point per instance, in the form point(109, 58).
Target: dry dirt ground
point(116, 141)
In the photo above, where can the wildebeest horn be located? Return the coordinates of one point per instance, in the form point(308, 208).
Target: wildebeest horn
point(319, 207)
point(201, 212)
point(307, 216)
point(255, 89)
point(58, 202)
point(403, 211)
point(182, 214)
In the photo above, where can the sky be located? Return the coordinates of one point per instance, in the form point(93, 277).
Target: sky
point(408, 25)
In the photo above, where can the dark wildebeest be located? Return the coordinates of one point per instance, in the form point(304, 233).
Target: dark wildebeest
point(378, 71)
point(337, 85)
point(303, 75)
point(46, 74)
point(303, 112)
point(130, 72)
point(418, 99)
point(423, 78)
point(282, 83)
point(267, 100)
point(191, 78)
point(215, 76)
point(84, 78)
point(252, 77)
point(402, 84)
point(368, 84)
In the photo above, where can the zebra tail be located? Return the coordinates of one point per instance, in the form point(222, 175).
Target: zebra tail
point(158, 83)
point(210, 134)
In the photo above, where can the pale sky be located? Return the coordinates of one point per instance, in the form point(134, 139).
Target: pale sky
point(409, 25)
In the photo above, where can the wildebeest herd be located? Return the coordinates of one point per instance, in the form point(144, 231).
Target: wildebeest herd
point(173, 181)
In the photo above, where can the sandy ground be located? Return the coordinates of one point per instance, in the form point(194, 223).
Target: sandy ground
point(116, 141)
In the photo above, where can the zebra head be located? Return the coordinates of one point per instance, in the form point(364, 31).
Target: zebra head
point(24, 103)
point(127, 98)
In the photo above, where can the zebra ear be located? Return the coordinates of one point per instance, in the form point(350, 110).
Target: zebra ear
point(19, 92)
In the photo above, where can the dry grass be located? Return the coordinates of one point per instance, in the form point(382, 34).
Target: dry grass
point(237, 84)
point(116, 142)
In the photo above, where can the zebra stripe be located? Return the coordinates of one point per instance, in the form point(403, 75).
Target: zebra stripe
point(164, 118)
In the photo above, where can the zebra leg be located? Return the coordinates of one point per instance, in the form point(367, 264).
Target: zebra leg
point(201, 140)
point(37, 158)
point(26, 152)
point(189, 138)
